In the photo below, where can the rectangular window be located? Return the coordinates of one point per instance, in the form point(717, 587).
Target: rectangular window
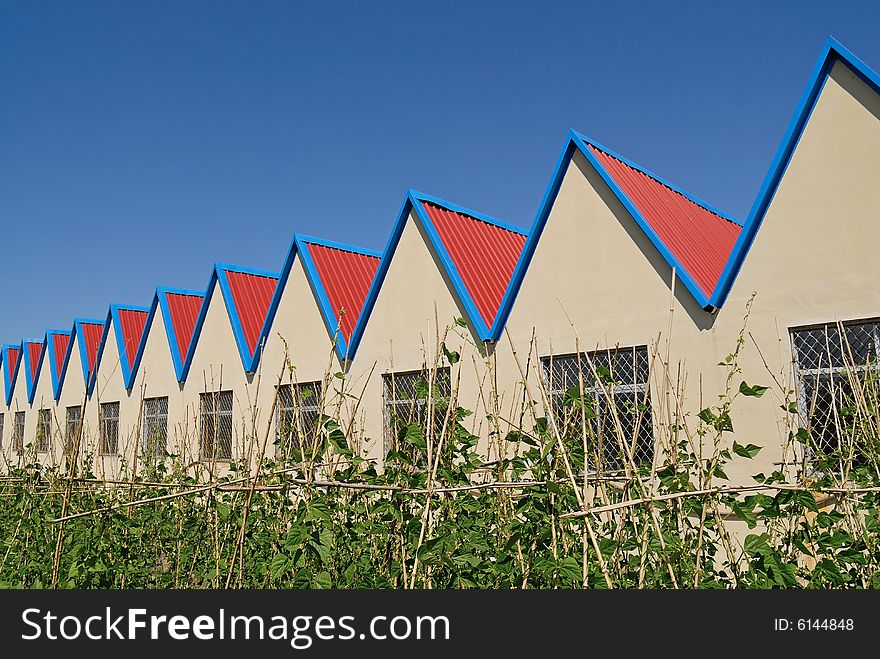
point(215, 414)
point(71, 427)
point(829, 360)
point(406, 401)
point(612, 398)
point(155, 426)
point(44, 430)
point(297, 414)
point(18, 432)
point(109, 428)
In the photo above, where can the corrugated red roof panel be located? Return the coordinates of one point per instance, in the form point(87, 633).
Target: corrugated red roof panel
point(131, 322)
point(13, 354)
point(484, 254)
point(34, 350)
point(60, 342)
point(346, 277)
point(184, 310)
point(91, 338)
point(700, 239)
point(252, 295)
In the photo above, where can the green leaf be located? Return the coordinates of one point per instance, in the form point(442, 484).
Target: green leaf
point(278, 566)
point(707, 415)
point(749, 451)
point(755, 390)
point(322, 581)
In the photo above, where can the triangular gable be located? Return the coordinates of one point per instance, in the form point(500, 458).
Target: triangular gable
point(340, 277)
point(466, 276)
point(128, 324)
point(179, 308)
point(11, 362)
point(57, 344)
point(86, 333)
point(248, 295)
point(693, 238)
point(32, 355)
point(833, 51)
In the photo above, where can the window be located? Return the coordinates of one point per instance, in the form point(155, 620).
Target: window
point(406, 401)
point(44, 430)
point(71, 427)
point(109, 428)
point(297, 414)
point(215, 413)
point(617, 403)
point(155, 426)
point(829, 360)
point(18, 432)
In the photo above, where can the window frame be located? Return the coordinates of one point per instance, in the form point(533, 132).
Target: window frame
point(833, 374)
point(217, 414)
point(104, 419)
point(18, 431)
point(43, 436)
point(161, 419)
point(638, 390)
point(415, 404)
point(307, 416)
point(71, 432)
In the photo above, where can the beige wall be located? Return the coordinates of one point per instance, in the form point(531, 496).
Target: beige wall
point(19, 403)
point(299, 334)
point(596, 276)
point(414, 307)
point(73, 395)
point(217, 366)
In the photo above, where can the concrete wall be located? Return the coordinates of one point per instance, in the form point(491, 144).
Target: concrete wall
point(217, 366)
point(299, 335)
point(414, 311)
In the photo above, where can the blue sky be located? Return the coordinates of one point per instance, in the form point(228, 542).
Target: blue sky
point(141, 142)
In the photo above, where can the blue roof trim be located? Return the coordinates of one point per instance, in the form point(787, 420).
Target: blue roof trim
point(832, 52)
point(160, 302)
point(328, 313)
point(647, 172)
point(126, 369)
point(681, 272)
point(53, 365)
point(9, 377)
point(413, 202)
point(31, 378)
point(218, 276)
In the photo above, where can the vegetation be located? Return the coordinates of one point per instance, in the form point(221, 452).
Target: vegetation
point(439, 514)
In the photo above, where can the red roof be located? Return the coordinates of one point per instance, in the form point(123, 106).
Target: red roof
point(13, 353)
point(346, 277)
point(484, 254)
point(131, 322)
point(34, 350)
point(252, 295)
point(92, 333)
point(60, 341)
point(184, 310)
point(700, 239)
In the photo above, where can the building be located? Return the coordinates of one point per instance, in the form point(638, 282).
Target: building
point(626, 289)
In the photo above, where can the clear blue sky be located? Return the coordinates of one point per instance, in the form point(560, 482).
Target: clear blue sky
point(142, 141)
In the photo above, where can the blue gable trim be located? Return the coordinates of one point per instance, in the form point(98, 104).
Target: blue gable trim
point(331, 321)
point(31, 377)
point(832, 52)
point(218, 276)
point(414, 202)
point(76, 335)
point(9, 375)
point(160, 302)
point(53, 365)
point(681, 272)
point(126, 369)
